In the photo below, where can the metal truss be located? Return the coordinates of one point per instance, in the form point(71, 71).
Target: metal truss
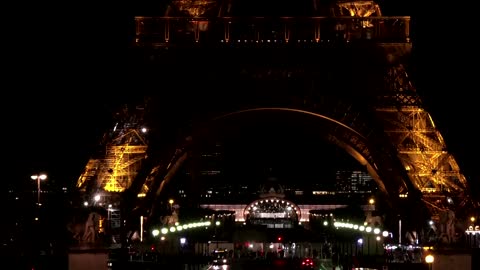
point(120, 160)
point(420, 146)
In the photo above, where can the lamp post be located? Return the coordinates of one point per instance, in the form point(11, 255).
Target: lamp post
point(429, 260)
point(171, 204)
point(38, 177)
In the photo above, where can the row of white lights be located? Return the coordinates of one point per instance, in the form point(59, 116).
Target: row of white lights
point(274, 41)
point(179, 228)
point(361, 228)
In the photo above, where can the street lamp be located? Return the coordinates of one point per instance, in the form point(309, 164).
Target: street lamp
point(38, 177)
point(171, 204)
point(429, 260)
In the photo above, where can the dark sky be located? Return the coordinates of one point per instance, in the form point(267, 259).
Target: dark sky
point(66, 70)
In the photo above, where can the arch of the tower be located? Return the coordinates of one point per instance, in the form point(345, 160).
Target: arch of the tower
point(375, 158)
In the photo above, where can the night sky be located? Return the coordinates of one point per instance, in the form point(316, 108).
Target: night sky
point(62, 86)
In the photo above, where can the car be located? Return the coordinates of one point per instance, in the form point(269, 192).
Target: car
point(220, 257)
point(307, 263)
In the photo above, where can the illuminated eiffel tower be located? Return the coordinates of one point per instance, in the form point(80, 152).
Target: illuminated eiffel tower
point(344, 64)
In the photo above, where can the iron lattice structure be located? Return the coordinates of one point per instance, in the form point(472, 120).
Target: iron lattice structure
point(420, 145)
point(345, 66)
point(123, 148)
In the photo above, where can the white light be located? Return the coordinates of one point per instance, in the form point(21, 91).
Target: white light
point(183, 240)
point(325, 223)
point(85, 203)
point(155, 232)
point(376, 231)
point(385, 233)
point(97, 198)
point(217, 223)
point(144, 130)
point(172, 229)
point(429, 259)
point(360, 241)
point(164, 230)
point(368, 229)
point(39, 177)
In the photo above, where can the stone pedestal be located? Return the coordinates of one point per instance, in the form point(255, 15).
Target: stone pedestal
point(88, 259)
point(462, 261)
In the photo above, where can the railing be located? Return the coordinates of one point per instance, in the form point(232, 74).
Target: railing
point(166, 31)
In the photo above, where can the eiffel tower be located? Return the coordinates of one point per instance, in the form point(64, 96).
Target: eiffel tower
point(344, 64)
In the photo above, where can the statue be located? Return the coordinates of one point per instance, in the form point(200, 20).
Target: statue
point(447, 227)
point(170, 220)
point(371, 220)
point(90, 232)
point(85, 231)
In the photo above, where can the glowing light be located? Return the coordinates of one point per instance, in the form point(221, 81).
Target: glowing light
point(429, 259)
point(39, 177)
